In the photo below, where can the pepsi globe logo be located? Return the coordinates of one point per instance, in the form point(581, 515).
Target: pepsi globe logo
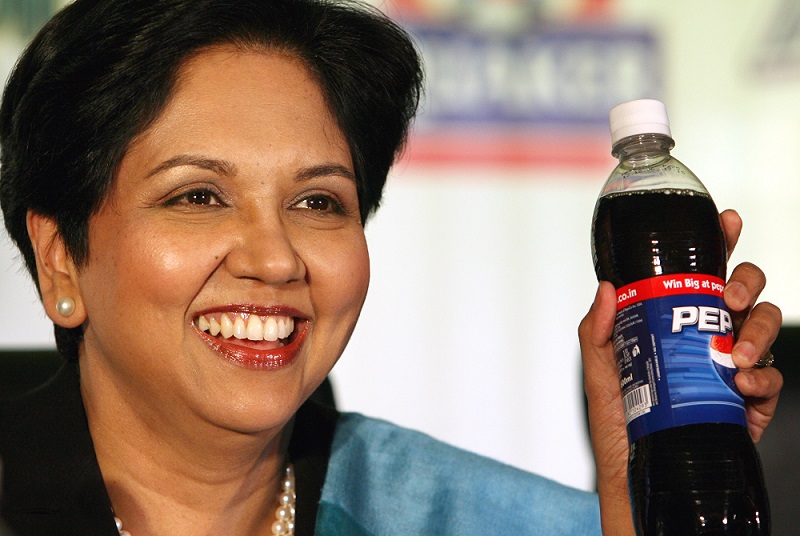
point(720, 351)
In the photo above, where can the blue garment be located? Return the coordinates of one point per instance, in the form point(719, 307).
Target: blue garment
point(385, 480)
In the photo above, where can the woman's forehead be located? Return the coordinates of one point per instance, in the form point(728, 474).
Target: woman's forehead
point(241, 105)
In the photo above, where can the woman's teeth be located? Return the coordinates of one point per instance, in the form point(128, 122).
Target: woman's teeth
point(251, 327)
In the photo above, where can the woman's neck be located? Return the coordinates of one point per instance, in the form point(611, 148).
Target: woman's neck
point(172, 474)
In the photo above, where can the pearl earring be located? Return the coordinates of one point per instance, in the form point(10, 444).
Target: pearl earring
point(65, 306)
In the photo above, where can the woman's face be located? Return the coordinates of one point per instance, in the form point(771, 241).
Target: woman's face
point(228, 265)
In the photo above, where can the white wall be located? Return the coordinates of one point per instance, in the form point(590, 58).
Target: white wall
point(480, 278)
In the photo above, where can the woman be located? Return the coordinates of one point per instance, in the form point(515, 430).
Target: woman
point(187, 181)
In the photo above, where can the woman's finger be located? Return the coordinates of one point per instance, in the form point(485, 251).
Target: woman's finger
point(744, 286)
point(761, 387)
point(756, 335)
point(732, 227)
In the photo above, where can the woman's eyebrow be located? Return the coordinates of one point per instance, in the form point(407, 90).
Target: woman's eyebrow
point(226, 168)
point(220, 167)
point(323, 170)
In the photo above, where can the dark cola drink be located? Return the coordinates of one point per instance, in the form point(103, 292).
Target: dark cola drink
point(693, 468)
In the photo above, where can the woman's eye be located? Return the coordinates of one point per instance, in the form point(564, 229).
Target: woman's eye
point(196, 197)
point(200, 197)
point(320, 203)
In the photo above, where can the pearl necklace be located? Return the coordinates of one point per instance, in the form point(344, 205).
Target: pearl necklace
point(284, 513)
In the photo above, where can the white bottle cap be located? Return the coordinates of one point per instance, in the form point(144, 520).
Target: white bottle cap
point(643, 116)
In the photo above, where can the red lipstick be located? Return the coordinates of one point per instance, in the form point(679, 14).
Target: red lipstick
point(248, 354)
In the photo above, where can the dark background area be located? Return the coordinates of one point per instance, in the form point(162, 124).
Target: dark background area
point(780, 446)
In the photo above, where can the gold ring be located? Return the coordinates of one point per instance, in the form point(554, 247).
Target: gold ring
point(766, 361)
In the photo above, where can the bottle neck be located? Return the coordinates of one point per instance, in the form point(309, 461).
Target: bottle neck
point(643, 150)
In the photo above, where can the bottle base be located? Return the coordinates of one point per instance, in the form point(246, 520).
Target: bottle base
point(707, 514)
point(698, 480)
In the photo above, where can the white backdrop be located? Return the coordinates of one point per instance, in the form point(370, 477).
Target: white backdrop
point(481, 274)
point(480, 278)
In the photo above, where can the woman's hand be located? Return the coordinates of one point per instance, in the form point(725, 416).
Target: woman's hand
point(606, 414)
point(756, 327)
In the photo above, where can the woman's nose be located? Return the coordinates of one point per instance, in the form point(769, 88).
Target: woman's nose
point(266, 252)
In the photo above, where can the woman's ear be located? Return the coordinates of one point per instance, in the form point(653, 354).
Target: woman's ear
point(57, 273)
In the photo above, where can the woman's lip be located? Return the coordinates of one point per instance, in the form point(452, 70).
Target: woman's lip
point(247, 356)
point(272, 310)
point(253, 358)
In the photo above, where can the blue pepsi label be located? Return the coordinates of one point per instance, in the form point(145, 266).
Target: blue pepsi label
point(673, 338)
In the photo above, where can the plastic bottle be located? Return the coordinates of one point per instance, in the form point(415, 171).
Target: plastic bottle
point(656, 235)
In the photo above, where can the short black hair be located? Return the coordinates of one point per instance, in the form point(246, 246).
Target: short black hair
point(101, 71)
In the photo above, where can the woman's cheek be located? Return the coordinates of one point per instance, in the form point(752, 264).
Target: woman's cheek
point(354, 268)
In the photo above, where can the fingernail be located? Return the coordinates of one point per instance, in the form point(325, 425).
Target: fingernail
point(748, 377)
point(737, 292)
point(744, 354)
point(596, 296)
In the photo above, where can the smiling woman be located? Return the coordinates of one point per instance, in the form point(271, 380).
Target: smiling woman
point(188, 182)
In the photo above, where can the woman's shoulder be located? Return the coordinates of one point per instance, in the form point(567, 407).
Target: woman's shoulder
point(387, 479)
point(31, 416)
point(51, 480)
